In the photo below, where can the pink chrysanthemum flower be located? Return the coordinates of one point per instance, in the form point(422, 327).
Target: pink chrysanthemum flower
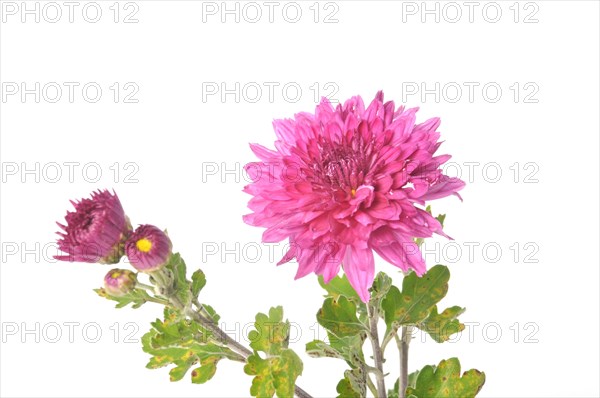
point(148, 248)
point(95, 231)
point(346, 181)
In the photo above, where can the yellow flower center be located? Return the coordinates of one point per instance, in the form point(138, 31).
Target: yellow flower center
point(143, 245)
point(353, 192)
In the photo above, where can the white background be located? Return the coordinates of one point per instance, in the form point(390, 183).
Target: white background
point(174, 138)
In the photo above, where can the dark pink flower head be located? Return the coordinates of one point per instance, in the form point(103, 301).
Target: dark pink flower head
point(95, 231)
point(346, 181)
point(148, 248)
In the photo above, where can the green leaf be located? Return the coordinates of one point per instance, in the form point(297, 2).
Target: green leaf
point(412, 378)
point(339, 317)
point(184, 343)
point(345, 390)
point(178, 372)
point(441, 326)
point(381, 286)
point(277, 373)
point(342, 315)
point(198, 282)
point(271, 334)
point(418, 296)
point(286, 371)
point(441, 218)
point(320, 349)
point(346, 335)
point(339, 286)
point(445, 381)
point(394, 393)
point(137, 298)
point(354, 384)
point(211, 311)
point(348, 348)
point(262, 383)
point(181, 285)
point(274, 375)
point(204, 373)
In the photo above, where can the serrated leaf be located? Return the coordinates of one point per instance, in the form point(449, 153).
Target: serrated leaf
point(262, 383)
point(162, 356)
point(204, 373)
point(345, 390)
point(271, 334)
point(198, 282)
point(441, 326)
point(285, 371)
point(171, 315)
point(277, 373)
point(418, 296)
point(137, 298)
point(320, 349)
point(211, 311)
point(339, 286)
point(356, 380)
point(348, 348)
point(445, 381)
point(274, 375)
point(181, 285)
point(339, 317)
point(346, 332)
point(183, 342)
point(381, 286)
point(178, 372)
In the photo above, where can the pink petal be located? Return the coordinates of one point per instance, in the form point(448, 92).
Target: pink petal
point(359, 267)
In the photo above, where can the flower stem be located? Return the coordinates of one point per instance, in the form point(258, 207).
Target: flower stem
point(157, 300)
point(403, 344)
point(377, 354)
point(144, 286)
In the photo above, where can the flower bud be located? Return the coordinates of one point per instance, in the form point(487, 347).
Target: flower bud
point(148, 248)
point(119, 282)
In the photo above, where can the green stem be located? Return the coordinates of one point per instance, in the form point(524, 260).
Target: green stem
point(377, 354)
point(201, 309)
point(373, 370)
point(144, 286)
point(156, 300)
